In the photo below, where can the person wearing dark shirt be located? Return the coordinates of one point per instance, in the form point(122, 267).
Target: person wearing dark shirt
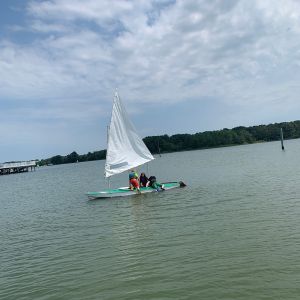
point(154, 184)
point(143, 180)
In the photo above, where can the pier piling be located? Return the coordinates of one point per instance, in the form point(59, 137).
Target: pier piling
point(281, 138)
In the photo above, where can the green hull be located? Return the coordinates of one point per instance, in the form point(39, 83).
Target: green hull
point(122, 192)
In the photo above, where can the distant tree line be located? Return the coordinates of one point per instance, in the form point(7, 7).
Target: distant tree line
point(73, 158)
point(202, 140)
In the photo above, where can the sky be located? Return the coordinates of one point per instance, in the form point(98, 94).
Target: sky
point(182, 66)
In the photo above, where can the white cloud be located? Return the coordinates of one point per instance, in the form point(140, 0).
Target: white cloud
point(194, 48)
point(43, 27)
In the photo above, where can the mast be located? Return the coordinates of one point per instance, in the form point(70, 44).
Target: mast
point(107, 137)
point(158, 147)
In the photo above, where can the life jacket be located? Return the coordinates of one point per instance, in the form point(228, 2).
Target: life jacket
point(133, 175)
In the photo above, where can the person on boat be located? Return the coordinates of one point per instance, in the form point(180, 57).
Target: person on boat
point(154, 184)
point(143, 180)
point(133, 180)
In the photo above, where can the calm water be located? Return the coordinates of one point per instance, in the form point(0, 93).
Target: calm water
point(233, 233)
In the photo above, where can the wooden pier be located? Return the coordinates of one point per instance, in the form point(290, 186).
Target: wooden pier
point(17, 167)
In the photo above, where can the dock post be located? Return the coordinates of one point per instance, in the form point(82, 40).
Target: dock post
point(281, 137)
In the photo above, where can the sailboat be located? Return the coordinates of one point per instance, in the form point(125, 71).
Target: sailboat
point(125, 151)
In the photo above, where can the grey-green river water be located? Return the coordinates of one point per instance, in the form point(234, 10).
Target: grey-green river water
point(232, 233)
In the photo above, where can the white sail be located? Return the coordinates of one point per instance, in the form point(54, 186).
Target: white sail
point(125, 149)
